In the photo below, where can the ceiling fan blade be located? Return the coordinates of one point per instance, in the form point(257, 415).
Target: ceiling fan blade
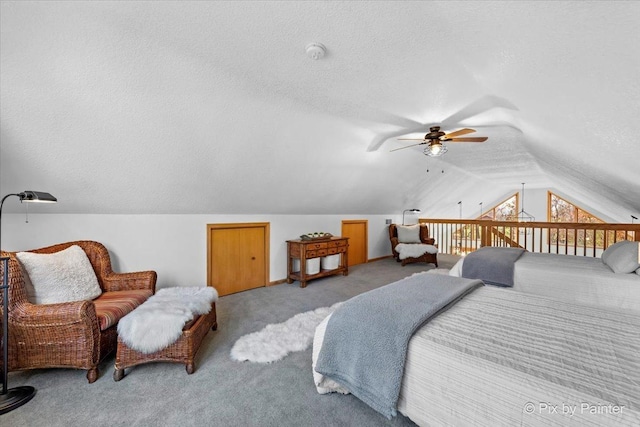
point(381, 139)
point(460, 132)
point(484, 103)
point(499, 124)
point(468, 139)
point(408, 146)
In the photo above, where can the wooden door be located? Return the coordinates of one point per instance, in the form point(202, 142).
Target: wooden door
point(356, 231)
point(237, 256)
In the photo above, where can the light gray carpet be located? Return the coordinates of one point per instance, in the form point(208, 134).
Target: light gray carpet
point(221, 392)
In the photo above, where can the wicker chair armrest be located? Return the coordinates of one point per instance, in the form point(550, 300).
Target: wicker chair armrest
point(44, 315)
point(130, 281)
point(429, 241)
point(394, 241)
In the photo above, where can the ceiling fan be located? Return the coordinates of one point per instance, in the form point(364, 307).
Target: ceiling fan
point(435, 138)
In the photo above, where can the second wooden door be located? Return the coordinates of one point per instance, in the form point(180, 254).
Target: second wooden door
point(356, 231)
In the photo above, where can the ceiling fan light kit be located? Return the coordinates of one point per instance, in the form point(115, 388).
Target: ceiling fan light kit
point(435, 149)
point(435, 138)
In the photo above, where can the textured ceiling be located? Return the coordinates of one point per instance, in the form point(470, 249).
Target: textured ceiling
point(214, 107)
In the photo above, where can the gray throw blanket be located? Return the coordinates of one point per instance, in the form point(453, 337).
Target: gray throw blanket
point(366, 339)
point(494, 266)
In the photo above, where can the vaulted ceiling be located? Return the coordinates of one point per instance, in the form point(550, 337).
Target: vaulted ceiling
point(214, 107)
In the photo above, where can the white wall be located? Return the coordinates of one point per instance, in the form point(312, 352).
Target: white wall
point(175, 245)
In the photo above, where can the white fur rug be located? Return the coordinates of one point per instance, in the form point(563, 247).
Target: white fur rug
point(275, 341)
point(158, 322)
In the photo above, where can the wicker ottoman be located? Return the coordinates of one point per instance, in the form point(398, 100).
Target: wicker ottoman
point(181, 351)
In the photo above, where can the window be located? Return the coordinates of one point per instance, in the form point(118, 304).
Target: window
point(503, 211)
point(561, 210)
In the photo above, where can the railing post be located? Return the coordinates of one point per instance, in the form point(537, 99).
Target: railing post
point(486, 236)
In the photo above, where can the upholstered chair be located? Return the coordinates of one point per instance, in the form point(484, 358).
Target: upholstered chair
point(422, 238)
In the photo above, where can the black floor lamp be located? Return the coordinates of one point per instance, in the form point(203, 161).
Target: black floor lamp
point(13, 398)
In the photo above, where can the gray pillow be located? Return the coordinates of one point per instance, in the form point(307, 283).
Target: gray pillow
point(409, 233)
point(611, 249)
point(622, 257)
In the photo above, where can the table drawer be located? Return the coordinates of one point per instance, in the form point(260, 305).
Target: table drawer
point(337, 243)
point(321, 252)
point(310, 254)
point(322, 245)
point(341, 249)
point(295, 251)
point(332, 251)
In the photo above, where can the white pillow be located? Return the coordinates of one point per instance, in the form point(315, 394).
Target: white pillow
point(622, 257)
point(409, 233)
point(63, 276)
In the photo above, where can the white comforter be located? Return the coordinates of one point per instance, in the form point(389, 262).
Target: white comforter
point(505, 358)
point(576, 279)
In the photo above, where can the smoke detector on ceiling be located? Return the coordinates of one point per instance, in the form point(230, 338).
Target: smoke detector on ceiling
point(315, 50)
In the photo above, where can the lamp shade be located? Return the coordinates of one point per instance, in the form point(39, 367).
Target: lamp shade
point(414, 210)
point(36, 197)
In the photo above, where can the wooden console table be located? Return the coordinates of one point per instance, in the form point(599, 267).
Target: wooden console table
point(308, 249)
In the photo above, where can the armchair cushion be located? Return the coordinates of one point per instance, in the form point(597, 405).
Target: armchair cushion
point(409, 233)
point(113, 306)
point(63, 276)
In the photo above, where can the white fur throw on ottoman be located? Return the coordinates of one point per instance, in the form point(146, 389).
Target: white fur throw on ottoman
point(158, 322)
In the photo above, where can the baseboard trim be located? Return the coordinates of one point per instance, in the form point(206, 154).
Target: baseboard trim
point(281, 281)
point(276, 282)
point(380, 258)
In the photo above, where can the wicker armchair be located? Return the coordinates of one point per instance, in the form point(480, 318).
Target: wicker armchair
point(424, 237)
point(73, 334)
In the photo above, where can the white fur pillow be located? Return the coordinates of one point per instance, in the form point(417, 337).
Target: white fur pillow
point(409, 233)
point(63, 276)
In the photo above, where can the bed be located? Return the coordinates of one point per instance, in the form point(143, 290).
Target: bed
point(498, 357)
point(578, 279)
